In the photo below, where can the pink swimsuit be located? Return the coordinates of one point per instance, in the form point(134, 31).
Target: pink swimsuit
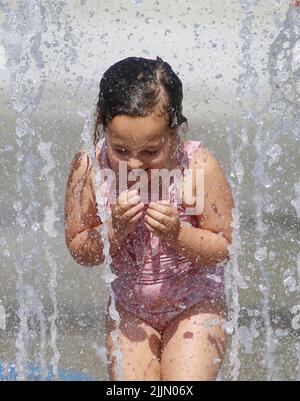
point(154, 282)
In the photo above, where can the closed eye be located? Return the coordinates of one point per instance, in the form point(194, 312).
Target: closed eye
point(147, 152)
point(121, 151)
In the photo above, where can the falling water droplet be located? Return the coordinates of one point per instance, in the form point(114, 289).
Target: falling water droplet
point(17, 205)
point(109, 277)
point(296, 202)
point(261, 254)
point(6, 253)
point(36, 226)
point(228, 327)
point(290, 283)
point(274, 153)
point(113, 313)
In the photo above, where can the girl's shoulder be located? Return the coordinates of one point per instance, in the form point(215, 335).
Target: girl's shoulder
point(80, 164)
point(199, 156)
point(85, 166)
point(196, 153)
point(101, 153)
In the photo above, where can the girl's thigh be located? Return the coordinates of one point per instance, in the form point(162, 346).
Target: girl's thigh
point(194, 343)
point(138, 345)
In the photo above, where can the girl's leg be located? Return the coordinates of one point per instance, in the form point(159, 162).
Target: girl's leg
point(139, 345)
point(193, 344)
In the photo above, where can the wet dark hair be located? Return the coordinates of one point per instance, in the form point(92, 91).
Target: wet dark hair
point(138, 86)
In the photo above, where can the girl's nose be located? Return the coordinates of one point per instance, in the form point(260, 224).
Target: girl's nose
point(134, 163)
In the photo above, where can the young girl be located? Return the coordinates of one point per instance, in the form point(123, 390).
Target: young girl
point(169, 289)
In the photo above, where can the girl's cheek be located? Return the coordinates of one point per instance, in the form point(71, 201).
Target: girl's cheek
point(160, 162)
point(114, 162)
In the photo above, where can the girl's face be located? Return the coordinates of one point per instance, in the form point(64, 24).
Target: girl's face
point(143, 142)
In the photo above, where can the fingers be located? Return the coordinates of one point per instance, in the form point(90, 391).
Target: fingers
point(134, 200)
point(129, 214)
point(164, 207)
point(126, 200)
point(127, 196)
point(157, 215)
point(135, 218)
point(123, 221)
point(154, 225)
point(149, 227)
point(162, 219)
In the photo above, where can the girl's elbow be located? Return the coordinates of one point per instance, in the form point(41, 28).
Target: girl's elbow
point(84, 259)
point(82, 256)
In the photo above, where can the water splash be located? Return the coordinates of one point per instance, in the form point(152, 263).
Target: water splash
point(236, 280)
point(108, 275)
point(50, 219)
point(252, 114)
point(24, 27)
point(283, 107)
point(284, 79)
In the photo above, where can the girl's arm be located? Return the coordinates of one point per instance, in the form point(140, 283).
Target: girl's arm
point(208, 244)
point(82, 224)
point(201, 246)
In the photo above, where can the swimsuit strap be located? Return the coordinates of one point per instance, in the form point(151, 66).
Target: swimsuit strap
point(190, 148)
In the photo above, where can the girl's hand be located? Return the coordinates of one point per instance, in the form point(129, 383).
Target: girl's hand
point(163, 220)
point(126, 212)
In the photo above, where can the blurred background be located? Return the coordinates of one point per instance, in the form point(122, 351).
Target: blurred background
point(239, 62)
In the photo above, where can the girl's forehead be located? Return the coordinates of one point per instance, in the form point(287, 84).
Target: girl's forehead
point(149, 128)
point(138, 140)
